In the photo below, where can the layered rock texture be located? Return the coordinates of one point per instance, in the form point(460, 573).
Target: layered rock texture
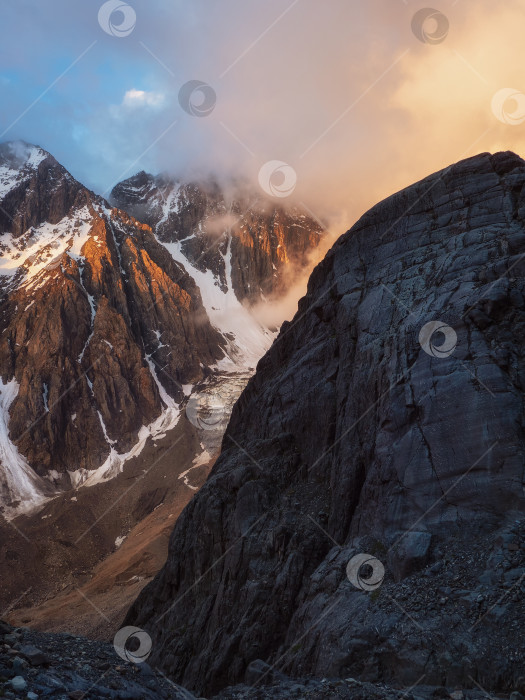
point(271, 246)
point(92, 309)
point(107, 325)
point(365, 432)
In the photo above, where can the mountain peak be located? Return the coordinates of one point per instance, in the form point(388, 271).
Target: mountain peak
point(481, 172)
point(181, 274)
point(18, 160)
point(34, 188)
point(19, 154)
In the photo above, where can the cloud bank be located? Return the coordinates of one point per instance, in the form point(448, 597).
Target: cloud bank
point(345, 92)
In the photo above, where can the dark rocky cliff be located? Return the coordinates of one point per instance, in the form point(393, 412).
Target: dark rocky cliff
point(361, 433)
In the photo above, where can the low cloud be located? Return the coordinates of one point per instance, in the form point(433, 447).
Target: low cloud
point(346, 92)
point(347, 95)
point(272, 312)
point(217, 225)
point(141, 98)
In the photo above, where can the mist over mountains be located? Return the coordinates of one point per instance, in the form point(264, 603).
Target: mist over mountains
point(262, 370)
point(350, 97)
point(132, 315)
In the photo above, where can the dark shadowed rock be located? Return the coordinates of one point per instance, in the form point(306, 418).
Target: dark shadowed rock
point(359, 428)
point(259, 672)
point(411, 554)
point(36, 657)
point(78, 669)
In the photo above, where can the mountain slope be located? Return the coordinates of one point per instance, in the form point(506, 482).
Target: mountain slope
point(120, 361)
point(93, 308)
point(269, 245)
point(242, 250)
point(362, 432)
point(34, 188)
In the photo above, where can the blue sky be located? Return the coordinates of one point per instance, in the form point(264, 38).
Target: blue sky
point(81, 118)
point(117, 95)
point(342, 90)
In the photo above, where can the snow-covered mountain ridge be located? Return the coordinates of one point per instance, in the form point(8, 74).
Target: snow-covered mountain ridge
point(109, 324)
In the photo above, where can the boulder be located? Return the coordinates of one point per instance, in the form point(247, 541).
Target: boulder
point(411, 554)
point(34, 656)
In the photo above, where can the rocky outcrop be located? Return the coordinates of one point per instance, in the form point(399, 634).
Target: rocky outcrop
point(34, 188)
point(267, 247)
point(367, 430)
point(34, 665)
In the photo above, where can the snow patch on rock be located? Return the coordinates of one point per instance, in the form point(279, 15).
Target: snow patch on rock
point(114, 463)
point(247, 340)
point(20, 161)
point(41, 248)
point(21, 488)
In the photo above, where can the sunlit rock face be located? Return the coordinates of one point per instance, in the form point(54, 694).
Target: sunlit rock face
point(101, 329)
point(270, 248)
point(108, 325)
point(366, 430)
